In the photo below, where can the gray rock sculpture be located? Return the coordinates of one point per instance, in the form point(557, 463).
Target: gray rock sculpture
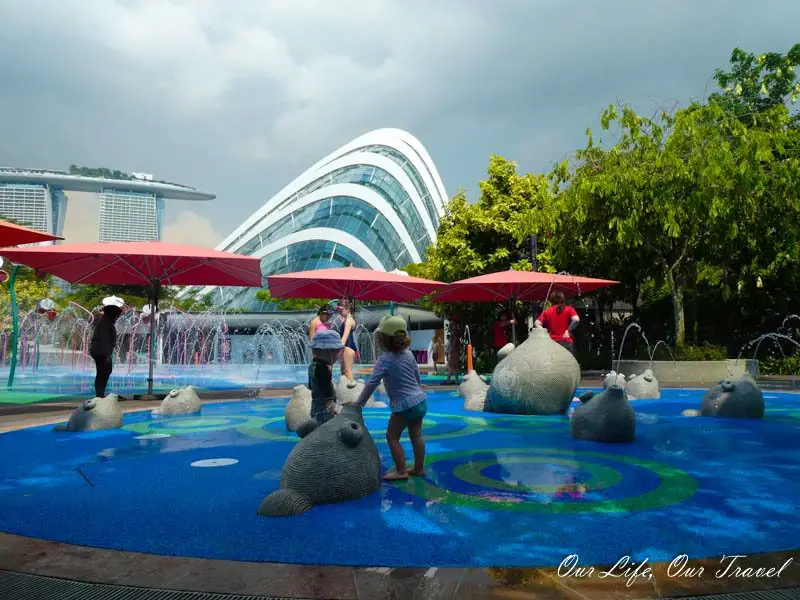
point(182, 401)
point(94, 414)
point(333, 462)
point(613, 377)
point(643, 387)
point(505, 351)
point(738, 399)
point(473, 390)
point(604, 417)
point(298, 409)
point(538, 378)
point(348, 395)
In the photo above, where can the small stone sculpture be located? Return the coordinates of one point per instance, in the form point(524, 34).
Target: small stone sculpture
point(604, 417)
point(473, 389)
point(94, 414)
point(613, 377)
point(505, 351)
point(183, 401)
point(643, 387)
point(737, 399)
point(333, 462)
point(348, 395)
point(298, 409)
point(538, 378)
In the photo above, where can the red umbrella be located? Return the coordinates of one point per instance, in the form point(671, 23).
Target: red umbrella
point(518, 285)
point(14, 235)
point(351, 282)
point(150, 264)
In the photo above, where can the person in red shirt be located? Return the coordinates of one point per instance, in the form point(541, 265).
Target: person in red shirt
point(499, 330)
point(559, 320)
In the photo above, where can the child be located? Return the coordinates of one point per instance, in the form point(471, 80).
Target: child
point(325, 349)
point(398, 368)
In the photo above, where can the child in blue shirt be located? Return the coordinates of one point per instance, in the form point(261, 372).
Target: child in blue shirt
point(325, 349)
point(398, 369)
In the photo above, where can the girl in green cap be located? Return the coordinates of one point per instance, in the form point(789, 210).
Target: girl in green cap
point(398, 369)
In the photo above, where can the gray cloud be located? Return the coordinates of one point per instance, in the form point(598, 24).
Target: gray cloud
point(238, 98)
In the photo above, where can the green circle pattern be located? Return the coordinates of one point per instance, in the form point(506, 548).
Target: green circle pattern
point(674, 486)
point(600, 476)
point(189, 425)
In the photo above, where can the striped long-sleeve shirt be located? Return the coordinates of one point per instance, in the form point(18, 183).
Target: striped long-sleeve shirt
point(400, 374)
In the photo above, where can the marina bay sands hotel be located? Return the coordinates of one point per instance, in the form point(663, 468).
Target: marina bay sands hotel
point(109, 206)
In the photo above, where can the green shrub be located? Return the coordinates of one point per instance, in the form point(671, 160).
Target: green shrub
point(789, 365)
point(705, 351)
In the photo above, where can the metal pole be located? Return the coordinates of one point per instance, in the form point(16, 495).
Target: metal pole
point(153, 308)
point(15, 325)
point(391, 309)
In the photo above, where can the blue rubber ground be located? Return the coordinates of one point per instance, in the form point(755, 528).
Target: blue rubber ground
point(695, 486)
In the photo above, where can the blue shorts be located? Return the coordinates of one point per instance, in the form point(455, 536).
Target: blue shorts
point(415, 413)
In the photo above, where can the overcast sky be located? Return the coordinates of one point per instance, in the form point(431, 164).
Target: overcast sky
point(237, 97)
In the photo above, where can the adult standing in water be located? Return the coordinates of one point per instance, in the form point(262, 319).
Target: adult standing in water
point(321, 322)
point(345, 325)
point(104, 340)
point(559, 319)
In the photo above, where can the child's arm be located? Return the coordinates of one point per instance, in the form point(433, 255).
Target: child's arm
point(379, 370)
point(326, 381)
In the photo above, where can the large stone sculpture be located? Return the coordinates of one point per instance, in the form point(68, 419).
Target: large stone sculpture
point(737, 399)
point(643, 387)
point(604, 417)
point(473, 389)
point(333, 462)
point(298, 409)
point(612, 377)
point(538, 378)
point(183, 401)
point(94, 414)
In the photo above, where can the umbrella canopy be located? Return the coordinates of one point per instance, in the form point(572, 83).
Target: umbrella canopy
point(351, 282)
point(14, 235)
point(527, 286)
point(151, 264)
point(140, 263)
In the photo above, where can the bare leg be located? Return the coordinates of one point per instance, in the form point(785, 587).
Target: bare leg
point(418, 443)
point(395, 429)
point(348, 356)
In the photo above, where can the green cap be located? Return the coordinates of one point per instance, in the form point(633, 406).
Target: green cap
point(392, 326)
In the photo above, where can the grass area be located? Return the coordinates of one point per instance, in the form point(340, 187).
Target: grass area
point(18, 397)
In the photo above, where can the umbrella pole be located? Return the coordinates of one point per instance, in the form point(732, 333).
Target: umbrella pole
point(152, 350)
point(15, 325)
point(513, 325)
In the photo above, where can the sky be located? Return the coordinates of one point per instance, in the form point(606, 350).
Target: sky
point(237, 97)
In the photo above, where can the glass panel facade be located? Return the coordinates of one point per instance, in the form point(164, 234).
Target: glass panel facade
point(303, 256)
point(25, 203)
point(350, 215)
point(376, 179)
point(128, 216)
point(410, 170)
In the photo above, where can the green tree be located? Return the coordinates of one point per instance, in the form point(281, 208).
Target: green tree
point(758, 83)
point(29, 289)
point(136, 296)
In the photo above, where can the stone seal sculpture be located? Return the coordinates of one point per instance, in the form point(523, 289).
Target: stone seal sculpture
point(94, 414)
point(473, 390)
point(738, 399)
point(604, 417)
point(298, 409)
point(505, 351)
point(345, 394)
point(538, 378)
point(613, 377)
point(333, 462)
point(183, 401)
point(643, 387)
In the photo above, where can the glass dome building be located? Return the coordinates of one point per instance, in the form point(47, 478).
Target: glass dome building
point(373, 203)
